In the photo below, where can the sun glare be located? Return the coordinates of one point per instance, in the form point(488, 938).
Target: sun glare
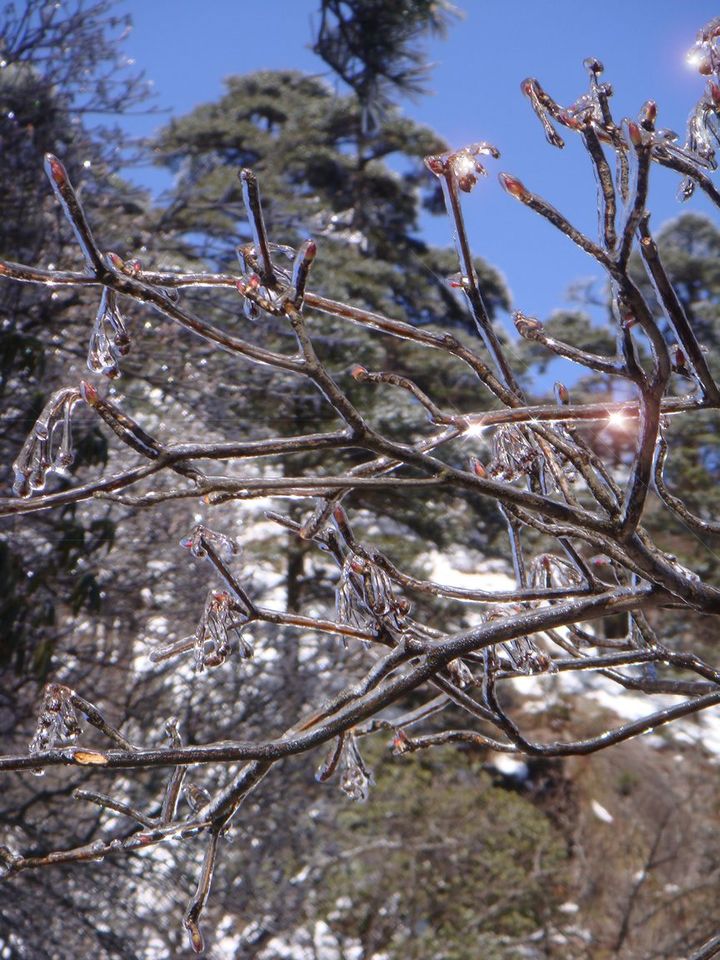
point(474, 430)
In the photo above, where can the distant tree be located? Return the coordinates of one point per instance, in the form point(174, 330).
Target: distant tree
point(375, 48)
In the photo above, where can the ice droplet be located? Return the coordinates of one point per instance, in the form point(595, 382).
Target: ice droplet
point(98, 847)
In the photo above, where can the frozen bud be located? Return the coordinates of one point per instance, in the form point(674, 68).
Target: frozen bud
point(477, 468)
point(201, 536)
point(301, 268)
point(196, 796)
point(88, 392)
point(574, 123)
point(635, 134)
point(55, 170)
point(400, 743)
point(703, 63)
point(359, 372)
point(172, 731)
point(403, 606)
point(460, 673)
point(710, 31)
point(513, 186)
point(57, 723)
point(527, 327)
point(8, 859)
point(648, 114)
point(133, 267)
point(197, 941)
point(484, 148)
point(436, 165)
point(339, 516)
point(466, 170)
point(679, 358)
point(562, 394)
point(114, 261)
point(593, 66)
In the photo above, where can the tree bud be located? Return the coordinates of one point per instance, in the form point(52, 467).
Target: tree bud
point(55, 170)
point(513, 186)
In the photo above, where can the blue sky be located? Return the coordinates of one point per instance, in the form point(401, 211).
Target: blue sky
point(188, 47)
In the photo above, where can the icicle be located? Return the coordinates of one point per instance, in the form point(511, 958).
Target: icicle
point(109, 339)
point(550, 570)
point(461, 674)
point(355, 778)
point(400, 743)
point(527, 327)
point(213, 636)
point(543, 107)
point(364, 596)
point(40, 455)
point(513, 453)
point(329, 765)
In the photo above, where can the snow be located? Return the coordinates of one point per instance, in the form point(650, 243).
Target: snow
point(510, 766)
point(601, 812)
point(700, 730)
point(568, 907)
point(468, 568)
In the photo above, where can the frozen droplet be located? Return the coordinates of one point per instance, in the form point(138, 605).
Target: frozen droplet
point(686, 189)
point(251, 310)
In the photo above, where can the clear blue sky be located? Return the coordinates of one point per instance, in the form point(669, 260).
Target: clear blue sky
point(188, 47)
